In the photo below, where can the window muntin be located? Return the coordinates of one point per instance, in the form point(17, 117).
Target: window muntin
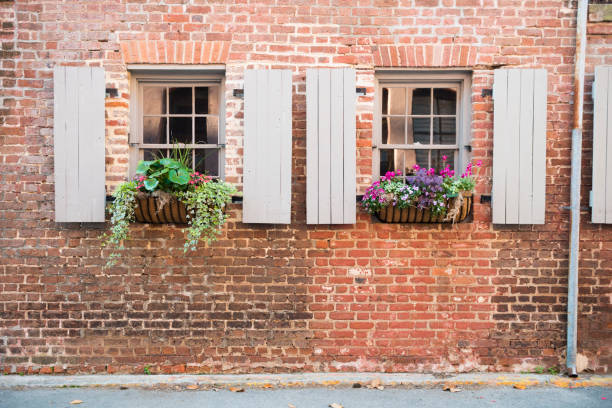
point(187, 113)
point(420, 117)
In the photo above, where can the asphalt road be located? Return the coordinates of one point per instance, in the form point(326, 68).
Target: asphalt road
point(499, 397)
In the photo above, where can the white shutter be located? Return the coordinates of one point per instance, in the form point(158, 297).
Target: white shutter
point(330, 146)
point(602, 146)
point(519, 146)
point(78, 138)
point(267, 147)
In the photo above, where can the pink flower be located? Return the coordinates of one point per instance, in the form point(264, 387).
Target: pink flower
point(416, 167)
point(478, 163)
point(444, 158)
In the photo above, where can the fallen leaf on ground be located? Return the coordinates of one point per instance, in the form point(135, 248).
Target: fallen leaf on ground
point(356, 385)
point(123, 387)
point(451, 388)
point(192, 387)
point(376, 383)
point(268, 386)
point(519, 386)
point(291, 405)
point(76, 402)
point(236, 389)
point(335, 405)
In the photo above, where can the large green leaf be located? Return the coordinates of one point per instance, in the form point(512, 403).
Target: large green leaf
point(170, 163)
point(143, 166)
point(180, 176)
point(160, 172)
point(150, 184)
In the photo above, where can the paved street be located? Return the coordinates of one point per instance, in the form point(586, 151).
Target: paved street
point(499, 397)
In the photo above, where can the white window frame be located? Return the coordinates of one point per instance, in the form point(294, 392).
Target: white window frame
point(168, 76)
point(460, 79)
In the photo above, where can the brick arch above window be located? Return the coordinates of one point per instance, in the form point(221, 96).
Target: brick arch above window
point(429, 55)
point(175, 52)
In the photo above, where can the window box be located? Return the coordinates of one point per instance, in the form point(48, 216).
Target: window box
point(159, 209)
point(395, 214)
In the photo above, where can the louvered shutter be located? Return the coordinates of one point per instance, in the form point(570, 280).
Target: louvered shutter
point(519, 146)
point(330, 146)
point(78, 139)
point(267, 147)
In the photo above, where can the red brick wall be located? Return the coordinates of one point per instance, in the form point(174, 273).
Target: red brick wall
point(285, 298)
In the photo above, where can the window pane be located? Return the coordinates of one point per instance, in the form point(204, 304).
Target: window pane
point(420, 157)
point(154, 100)
point(393, 130)
point(207, 161)
point(207, 100)
point(180, 130)
point(207, 130)
point(153, 154)
point(420, 100)
point(180, 100)
point(387, 161)
point(445, 101)
point(437, 161)
point(154, 130)
point(444, 131)
point(394, 101)
point(418, 130)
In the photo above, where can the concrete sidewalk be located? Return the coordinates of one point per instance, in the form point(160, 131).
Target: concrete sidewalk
point(302, 380)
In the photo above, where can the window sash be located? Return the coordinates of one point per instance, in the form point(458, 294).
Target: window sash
point(459, 80)
point(137, 145)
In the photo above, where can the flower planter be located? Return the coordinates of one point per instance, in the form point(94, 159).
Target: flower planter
point(393, 214)
point(160, 209)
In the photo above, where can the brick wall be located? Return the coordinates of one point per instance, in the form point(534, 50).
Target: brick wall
point(285, 298)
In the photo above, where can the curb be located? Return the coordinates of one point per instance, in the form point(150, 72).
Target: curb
point(356, 380)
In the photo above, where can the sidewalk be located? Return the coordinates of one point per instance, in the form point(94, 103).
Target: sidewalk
point(306, 391)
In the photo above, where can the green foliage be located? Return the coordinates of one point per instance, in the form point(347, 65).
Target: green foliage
point(122, 213)
point(205, 205)
point(539, 370)
point(147, 370)
point(553, 370)
point(164, 174)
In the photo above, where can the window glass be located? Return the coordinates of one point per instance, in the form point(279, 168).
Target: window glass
point(416, 120)
point(180, 100)
point(184, 114)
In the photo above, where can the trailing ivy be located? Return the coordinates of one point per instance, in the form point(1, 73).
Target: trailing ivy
point(204, 198)
point(122, 214)
point(205, 207)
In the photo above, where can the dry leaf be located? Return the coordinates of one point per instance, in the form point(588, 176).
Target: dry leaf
point(268, 386)
point(519, 386)
point(76, 402)
point(192, 387)
point(451, 388)
point(291, 406)
point(335, 405)
point(380, 387)
point(236, 389)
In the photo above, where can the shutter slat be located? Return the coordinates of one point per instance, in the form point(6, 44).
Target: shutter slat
point(519, 146)
point(350, 154)
point(330, 146)
point(600, 126)
point(500, 101)
point(79, 134)
point(267, 147)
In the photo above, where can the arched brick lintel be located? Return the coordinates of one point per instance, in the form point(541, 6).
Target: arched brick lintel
point(426, 55)
point(175, 52)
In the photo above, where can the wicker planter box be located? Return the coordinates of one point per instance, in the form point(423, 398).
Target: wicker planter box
point(160, 209)
point(391, 214)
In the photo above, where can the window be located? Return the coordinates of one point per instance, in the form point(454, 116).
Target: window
point(186, 111)
point(421, 117)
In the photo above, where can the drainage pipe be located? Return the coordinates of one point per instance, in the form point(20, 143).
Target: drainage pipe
point(572, 290)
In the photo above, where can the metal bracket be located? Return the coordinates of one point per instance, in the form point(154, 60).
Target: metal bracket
point(485, 198)
point(486, 92)
point(238, 93)
point(468, 148)
point(361, 91)
point(112, 92)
